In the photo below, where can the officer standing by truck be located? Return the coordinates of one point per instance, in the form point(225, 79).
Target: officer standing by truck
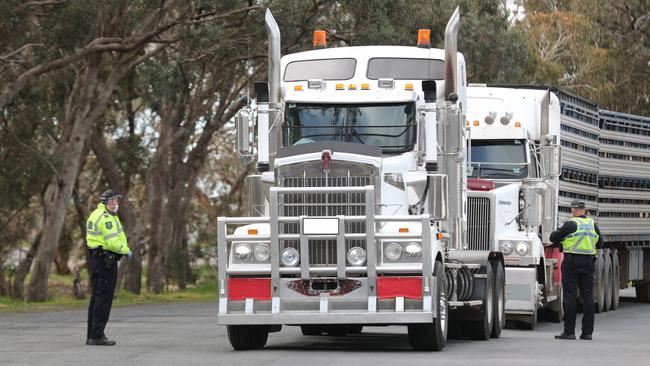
point(578, 238)
point(107, 243)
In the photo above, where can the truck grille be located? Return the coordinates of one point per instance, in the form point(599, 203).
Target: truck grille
point(478, 223)
point(322, 253)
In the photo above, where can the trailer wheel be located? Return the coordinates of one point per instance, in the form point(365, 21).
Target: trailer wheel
point(608, 282)
point(616, 280)
point(599, 293)
point(311, 329)
point(481, 329)
point(642, 291)
point(499, 317)
point(246, 337)
point(433, 336)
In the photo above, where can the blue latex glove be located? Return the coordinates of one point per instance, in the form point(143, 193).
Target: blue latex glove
point(129, 255)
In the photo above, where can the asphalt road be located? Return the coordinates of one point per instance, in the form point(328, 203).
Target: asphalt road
point(187, 334)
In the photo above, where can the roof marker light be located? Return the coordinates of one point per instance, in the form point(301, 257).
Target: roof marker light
point(340, 87)
point(365, 86)
point(352, 87)
point(320, 39)
point(424, 38)
point(408, 87)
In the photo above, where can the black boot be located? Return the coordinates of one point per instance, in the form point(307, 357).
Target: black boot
point(99, 342)
point(565, 336)
point(586, 337)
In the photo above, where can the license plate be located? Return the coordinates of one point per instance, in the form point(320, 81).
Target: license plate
point(320, 226)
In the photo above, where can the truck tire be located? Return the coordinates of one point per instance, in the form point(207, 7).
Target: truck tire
point(499, 317)
point(608, 281)
point(599, 285)
point(433, 336)
point(311, 329)
point(481, 329)
point(246, 337)
point(616, 280)
point(642, 291)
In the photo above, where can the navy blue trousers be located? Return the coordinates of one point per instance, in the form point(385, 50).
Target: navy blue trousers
point(578, 272)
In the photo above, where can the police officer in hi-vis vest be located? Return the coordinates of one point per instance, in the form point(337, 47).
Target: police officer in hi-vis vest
point(578, 238)
point(107, 243)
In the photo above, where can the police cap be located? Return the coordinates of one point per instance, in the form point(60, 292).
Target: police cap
point(578, 204)
point(109, 194)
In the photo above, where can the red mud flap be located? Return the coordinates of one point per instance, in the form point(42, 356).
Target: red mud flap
point(554, 253)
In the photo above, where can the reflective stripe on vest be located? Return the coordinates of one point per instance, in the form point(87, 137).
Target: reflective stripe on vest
point(583, 240)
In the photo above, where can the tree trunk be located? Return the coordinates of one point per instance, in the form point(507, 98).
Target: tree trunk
point(3, 287)
point(59, 189)
point(23, 269)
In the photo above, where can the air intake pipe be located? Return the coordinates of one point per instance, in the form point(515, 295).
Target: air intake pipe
point(451, 48)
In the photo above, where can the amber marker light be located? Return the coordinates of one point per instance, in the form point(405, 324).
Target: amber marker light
point(408, 87)
point(297, 87)
point(475, 123)
point(517, 124)
point(365, 86)
point(424, 38)
point(340, 87)
point(320, 39)
point(403, 230)
point(252, 231)
point(352, 87)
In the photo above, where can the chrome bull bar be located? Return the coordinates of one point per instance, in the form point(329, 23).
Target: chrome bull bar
point(372, 238)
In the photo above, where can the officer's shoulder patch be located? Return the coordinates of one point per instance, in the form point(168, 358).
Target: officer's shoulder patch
point(90, 224)
point(109, 225)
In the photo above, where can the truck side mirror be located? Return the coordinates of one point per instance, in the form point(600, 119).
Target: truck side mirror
point(552, 162)
point(242, 124)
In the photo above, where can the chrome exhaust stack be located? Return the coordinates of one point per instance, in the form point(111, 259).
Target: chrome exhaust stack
point(275, 123)
point(451, 49)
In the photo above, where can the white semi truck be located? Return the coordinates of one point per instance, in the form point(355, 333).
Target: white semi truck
point(511, 132)
point(358, 215)
point(605, 162)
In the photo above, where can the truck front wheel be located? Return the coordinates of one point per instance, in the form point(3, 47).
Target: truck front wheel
point(433, 336)
point(499, 318)
point(247, 337)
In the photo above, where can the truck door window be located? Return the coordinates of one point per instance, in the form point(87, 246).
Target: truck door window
point(391, 127)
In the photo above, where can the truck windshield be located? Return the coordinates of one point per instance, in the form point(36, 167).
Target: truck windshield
point(391, 127)
point(499, 159)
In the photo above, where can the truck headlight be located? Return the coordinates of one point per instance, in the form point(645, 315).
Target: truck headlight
point(413, 251)
point(522, 248)
point(506, 247)
point(356, 256)
point(290, 257)
point(262, 252)
point(393, 252)
point(243, 252)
